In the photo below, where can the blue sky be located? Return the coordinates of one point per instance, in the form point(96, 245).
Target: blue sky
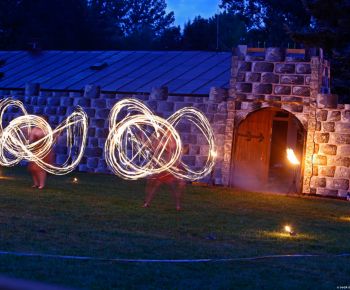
point(187, 9)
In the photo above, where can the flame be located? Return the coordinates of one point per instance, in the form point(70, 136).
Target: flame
point(291, 157)
point(287, 228)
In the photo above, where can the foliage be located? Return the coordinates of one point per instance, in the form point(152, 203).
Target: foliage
point(145, 25)
point(221, 32)
point(170, 39)
point(199, 34)
point(147, 13)
point(330, 30)
point(266, 19)
point(81, 24)
point(104, 21)
point(311, 23)
point(8, 22)
point(130, 24)
point(48, 22)
point(232, 31)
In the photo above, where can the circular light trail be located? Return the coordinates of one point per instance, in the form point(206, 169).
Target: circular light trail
point(15, 139)
point(141, 144)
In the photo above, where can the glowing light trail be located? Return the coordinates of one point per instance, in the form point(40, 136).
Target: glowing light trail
point(15, 144)
point(143, 144)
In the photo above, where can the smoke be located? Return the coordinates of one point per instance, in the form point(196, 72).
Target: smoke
point(278, 180)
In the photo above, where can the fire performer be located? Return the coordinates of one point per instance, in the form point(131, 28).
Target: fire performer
point(167, 144)
point(39, 175)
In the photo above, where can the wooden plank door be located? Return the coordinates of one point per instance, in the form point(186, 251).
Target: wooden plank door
point(252, 151)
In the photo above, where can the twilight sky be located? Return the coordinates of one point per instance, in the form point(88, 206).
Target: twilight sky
point(187, 9)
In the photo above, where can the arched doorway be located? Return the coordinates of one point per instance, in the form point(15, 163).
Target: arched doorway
point(259, 158)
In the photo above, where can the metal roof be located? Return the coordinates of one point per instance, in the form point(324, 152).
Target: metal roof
point(184, 72)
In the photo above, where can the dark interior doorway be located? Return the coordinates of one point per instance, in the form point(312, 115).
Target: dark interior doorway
point(259, 157)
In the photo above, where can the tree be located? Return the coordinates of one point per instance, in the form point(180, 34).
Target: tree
point(55, 24)
point(141, 38)
point(199, 35)
point(132, 24)
point(170, 39)
point(266, 19)
point(9, 23)
point(104, 21)
point(231, 30)
point(83, 24)
point(330, 30)
point(221, 32)
point(147, 13)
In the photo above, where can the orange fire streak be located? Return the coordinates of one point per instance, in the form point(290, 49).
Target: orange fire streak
point(291, 157)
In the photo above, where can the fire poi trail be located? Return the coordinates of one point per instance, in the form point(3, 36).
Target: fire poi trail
point(15, 145)
point(135, 146)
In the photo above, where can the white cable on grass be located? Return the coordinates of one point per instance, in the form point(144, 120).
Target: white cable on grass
point(209, 260)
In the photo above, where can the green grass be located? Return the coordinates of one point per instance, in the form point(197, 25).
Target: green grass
point(102, 217)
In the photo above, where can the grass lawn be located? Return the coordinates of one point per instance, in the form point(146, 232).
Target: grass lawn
point(102, 217)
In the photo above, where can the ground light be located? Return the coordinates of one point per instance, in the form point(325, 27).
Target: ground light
point(289, 230)
point(6, 177)
point(345, 218)
point(2, 176)
point(75, 180)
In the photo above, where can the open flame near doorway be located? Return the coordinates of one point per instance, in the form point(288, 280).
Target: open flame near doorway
point(295, 163)
point(260, 163)
point(291, 157)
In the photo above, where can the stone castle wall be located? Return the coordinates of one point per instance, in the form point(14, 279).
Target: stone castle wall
point(298, 83)
point(331, 159)
point(275, 78)
point(286, 79)
point(97, 104)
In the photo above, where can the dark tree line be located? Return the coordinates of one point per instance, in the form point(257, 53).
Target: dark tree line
point(82, 24)
point(310, 23)
point(111, 24)
point(315, 23)
point(146, 25)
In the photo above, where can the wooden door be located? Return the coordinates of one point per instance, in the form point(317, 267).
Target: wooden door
point(252, 151)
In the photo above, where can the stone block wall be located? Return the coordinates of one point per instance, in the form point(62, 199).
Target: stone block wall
point(279, 78)
point(299, 84)
point(272, 78)
point(331, 159)
point(57, 105)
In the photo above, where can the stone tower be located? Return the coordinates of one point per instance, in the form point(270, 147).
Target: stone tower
point(297, 82)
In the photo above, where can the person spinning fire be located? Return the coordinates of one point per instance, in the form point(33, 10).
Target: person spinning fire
point(176, 185)
point(39, 175)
